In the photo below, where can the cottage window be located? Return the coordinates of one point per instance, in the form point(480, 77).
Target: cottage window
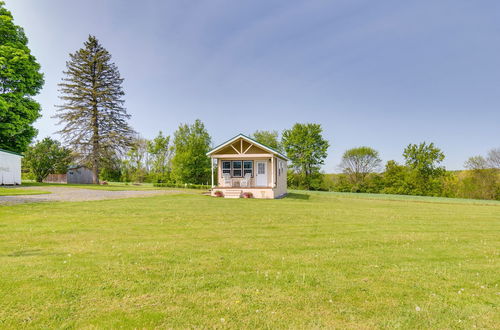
point(236, 168)
point(248, 167)
point(226, 167)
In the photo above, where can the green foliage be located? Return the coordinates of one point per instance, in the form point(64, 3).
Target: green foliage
point(396, 179)
point(190, 163)
point(185, 185)
point(357, 163)
point(476, 163)
point(423, 160)
point(46, 157)
point(299, 181)
point(20, 80)
point(110, 169)
point(477, 184)
point(93, 113)
point(160, 154)
point(372, 183)
point(135, 165)
point(269, 139)
point(307, 149)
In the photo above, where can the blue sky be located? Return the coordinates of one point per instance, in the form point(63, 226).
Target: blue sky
point(377, 73)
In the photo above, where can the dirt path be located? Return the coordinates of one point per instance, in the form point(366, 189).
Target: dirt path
point(68, 194)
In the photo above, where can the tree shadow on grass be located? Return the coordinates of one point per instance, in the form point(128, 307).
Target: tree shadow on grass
point(25, 253)
point(297, 196)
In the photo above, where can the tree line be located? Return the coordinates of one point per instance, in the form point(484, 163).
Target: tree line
point(421, 174)
point(95, 132)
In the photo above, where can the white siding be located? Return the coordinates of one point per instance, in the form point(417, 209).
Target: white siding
point(10, 168)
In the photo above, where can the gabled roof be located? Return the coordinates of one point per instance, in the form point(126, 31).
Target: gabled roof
point(11, 152)
point(249, 140)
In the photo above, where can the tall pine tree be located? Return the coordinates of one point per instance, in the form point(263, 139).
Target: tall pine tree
point(93, 112)
point(20, 80)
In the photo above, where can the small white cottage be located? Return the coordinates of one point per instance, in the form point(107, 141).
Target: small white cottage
point(246, 167)
point(10, 167)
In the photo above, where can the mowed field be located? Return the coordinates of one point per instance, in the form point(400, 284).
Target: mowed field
point(311, 260)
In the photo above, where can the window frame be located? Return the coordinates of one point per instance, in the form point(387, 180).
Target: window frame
point(250, 169)
point(230, 170)
point(226, 170)
point(236, 169)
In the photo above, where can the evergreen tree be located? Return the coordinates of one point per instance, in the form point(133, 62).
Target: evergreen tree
point(93, 113)
point(20, 80)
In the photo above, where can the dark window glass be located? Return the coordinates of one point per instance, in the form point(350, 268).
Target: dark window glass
point(237, 164)
point(226, 167)
point(248, 167)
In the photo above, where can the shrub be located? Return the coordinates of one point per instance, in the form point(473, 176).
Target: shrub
point(180, 185)
point(247, 194)
point(218, 193)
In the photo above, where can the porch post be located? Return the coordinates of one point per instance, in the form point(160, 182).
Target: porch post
point(212, 166)
point(272, 172)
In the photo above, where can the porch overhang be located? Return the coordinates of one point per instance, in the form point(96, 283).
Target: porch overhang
point(242, 151)
point(241, 156)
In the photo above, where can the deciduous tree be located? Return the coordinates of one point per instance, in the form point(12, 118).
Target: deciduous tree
point(307, 149)
point(357, 163)
point(20, 80)
point(46, 157)
point(268, 138)
point(424, 159)
point(494, 158)
point(190, 163)
point(476, 163)
point(160, 152)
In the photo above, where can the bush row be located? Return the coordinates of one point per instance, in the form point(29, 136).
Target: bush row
point(185, 185)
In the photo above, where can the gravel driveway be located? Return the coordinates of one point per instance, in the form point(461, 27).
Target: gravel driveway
point(68, 194)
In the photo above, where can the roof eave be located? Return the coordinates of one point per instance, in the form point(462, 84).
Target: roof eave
point(11, 152)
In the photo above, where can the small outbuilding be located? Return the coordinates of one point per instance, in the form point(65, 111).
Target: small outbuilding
point(10, 167)
point(79, 174)
point(246, 167)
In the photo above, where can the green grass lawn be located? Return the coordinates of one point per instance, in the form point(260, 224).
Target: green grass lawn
point(307, 261)
point(20, 191)
point(111, 186)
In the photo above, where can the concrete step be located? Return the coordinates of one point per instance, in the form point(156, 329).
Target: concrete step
point(233, 193)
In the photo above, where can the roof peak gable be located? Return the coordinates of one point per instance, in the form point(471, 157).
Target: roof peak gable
point(250, 140)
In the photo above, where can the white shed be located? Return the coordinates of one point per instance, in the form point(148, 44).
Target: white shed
point(10, 167)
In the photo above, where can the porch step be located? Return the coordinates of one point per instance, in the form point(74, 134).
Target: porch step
point(232, 193)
